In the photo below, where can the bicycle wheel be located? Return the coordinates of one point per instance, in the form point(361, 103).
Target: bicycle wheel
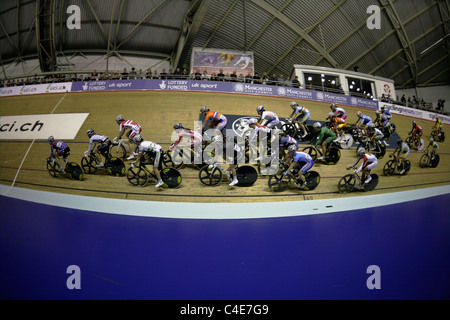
point(346, 141)
point(74, 171)
point(210, 177)
point(289, 129)
point(424, 161)
point(347, 183)
point(137, 176)
point(279, 182)
point(389, 168)
point(372, 184)
point(115, 167)
point(435, 161)
point(117, 151)
point(171, 178)
point(247, 176)
point(332, 156)
point(168, 162)
point(421, 144)
point(54, 169)
point(407, 167)
point(312, 180)
point(312, 152)
point(89, 165)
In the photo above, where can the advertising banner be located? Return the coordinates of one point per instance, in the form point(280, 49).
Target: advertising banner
point(415, 113)
point(36, 89)
point(41, 126)
point(214, 60)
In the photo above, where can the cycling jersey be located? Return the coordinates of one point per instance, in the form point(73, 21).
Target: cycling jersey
point(365, 120)
point(325, 135)
point(404, 149)
point(339, 123)
point(340, 112)
point(153, 150)
point(97, 138)
point(286, 141)
point(130, 125)
point(303, 157)
point(60, 147)
point(271, 118)
point(193, 137)
point(259, 129)
point(369, 162)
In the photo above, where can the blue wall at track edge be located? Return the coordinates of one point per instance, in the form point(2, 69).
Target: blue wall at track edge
point(322, 256)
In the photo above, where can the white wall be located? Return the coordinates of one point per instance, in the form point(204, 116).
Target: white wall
point(429, 94)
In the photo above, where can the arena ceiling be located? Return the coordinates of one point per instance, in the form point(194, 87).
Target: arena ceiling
point(411, 45)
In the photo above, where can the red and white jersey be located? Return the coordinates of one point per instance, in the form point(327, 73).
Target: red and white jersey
point(129, 125)
point(192, 136)
point(369, 160)
point(257, 130)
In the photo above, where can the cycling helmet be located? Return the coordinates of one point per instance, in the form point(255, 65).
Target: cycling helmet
point(260, 109)
point(431, 139)
point(317, 125)
point(119, 118)
point(292, 148)
point(177, 126)
point(361, 152)
point(90, 132)
point(414, 123)
point(330, 115)
point(372, 125)
point(383, 107)
point(251, 121)
point(333, 106)
point(137, 138)
point(377, 112)
point(359, 114)
point(204, 109)
point(399, 142)
point(51, 139)
point(293, 104)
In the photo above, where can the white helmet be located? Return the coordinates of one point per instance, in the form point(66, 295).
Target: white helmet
point(292, 148)
point(90, 132)
point(293, 104)
point(119, 118)
point(361, 152)
point(317, 125)
point(251, 121)
point(137, 138)
point(260, 109)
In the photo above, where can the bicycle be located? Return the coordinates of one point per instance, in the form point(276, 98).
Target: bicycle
point(348, 183)
point(212, 175)
point(294, 130)
point(379, 151)
point(114, 166)
point(392, 165)
point(437, 135)
point(280, 182)
point(415, 142)
point(140, 176)
point(119, 149)
point(331, 157)
point(426, 161)
point(72, 169)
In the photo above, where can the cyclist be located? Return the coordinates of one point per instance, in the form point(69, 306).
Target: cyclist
point(339, 126)
point(369, 162)
point(130, 129)
point(265, 141)
point(218, 120)
point(364, 119)
point(267, 118)
point(238, 155)
point(299, 159)
point(416, 132)
point(285, 142)
point(301, 115)
point(94, 139)
point(401, 153)
point(61, 149)
point(434, 148)
point(386, 112)
point(325, 136)
point(338, 111)
point(195, 139)
point(150, 151)
point(375, 135)
point(437, 128)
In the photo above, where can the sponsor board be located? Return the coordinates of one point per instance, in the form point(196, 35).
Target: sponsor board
point(36, 89)
point(415, 113)
point(41, 126)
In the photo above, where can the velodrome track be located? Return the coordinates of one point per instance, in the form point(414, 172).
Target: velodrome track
point(156, 112)
point(206, 243)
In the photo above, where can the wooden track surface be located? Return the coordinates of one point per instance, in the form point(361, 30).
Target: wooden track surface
point(157, 112)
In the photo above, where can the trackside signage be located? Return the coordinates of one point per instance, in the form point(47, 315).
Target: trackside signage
point(36, 89)
point(41, 126)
